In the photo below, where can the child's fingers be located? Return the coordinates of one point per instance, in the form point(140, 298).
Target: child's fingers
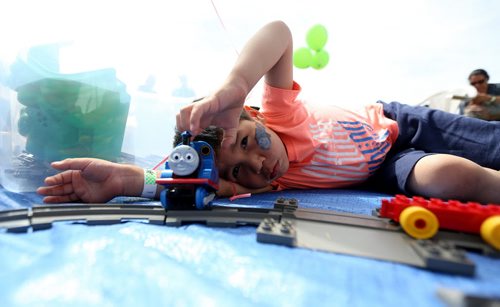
point(53, 180)
point(61, 178)
point(183, 119)
point(202, 115)
point(178, 124)
point(58, 189)
point(229, 137)
point(72, 164)
point(54, 199)
point(60, 199)
point(195, 125)
point(60, 165)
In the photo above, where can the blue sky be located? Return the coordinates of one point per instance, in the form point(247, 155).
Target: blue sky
point(386, 49)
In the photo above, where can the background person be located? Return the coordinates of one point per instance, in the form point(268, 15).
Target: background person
point(486, 105)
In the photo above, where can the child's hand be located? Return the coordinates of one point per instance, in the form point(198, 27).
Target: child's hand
point(91, 180)
point(221, 109)
point(268, 53)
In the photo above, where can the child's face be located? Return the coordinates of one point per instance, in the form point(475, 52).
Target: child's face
point(256, 159)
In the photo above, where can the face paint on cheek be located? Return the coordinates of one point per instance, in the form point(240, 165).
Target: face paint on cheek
point(262, 137)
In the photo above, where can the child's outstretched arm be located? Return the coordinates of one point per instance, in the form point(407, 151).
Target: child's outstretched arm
point(92, 181)
point(268, 53)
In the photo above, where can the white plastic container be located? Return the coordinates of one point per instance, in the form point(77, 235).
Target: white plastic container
point(48, 116)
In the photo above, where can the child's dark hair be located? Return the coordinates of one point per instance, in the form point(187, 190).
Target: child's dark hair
point(212, 135)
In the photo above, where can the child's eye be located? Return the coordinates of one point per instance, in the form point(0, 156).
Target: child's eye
point(236, 170)
point(244, 142)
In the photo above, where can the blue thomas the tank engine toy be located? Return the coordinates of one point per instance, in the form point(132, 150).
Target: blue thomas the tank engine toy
point(190, 177)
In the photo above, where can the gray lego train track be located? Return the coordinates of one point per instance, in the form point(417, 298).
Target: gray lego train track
point(285, 224)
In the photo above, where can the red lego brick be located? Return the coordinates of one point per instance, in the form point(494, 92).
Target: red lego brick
point(452, 214)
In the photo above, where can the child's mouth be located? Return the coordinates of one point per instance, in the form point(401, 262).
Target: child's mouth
point(274, 172)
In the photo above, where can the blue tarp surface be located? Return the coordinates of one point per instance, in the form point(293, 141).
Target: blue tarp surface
point(138, 264)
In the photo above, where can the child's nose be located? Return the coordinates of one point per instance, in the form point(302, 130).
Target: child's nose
point(257, 163)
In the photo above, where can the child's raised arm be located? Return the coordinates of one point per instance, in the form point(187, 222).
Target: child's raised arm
point(268, 53)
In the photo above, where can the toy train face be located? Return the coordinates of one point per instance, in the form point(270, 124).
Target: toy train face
point(183, 160)
point(190, 177)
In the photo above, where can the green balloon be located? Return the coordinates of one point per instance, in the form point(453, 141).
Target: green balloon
point(316, 37)
point(302, 57)
point(320, 59)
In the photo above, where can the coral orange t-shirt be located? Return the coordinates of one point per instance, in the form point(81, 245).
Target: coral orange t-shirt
point(328, 146)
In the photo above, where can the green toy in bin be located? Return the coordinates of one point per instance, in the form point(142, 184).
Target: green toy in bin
point(58, 115)
point(73, 115)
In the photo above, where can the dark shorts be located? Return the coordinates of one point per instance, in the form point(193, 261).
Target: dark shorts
point(424, 131)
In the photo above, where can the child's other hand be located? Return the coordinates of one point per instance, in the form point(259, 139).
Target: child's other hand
point(221, 109)
point(90, 180)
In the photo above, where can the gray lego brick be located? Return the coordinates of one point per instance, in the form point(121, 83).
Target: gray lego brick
point(15, 220)
point(375, 243)
point(277, 232)
point(440, 256)
point(220, 216)
point(345, 219)
point(42, 217)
